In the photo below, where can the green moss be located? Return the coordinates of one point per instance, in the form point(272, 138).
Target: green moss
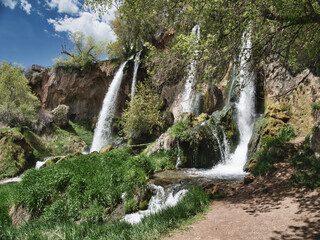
point(16, 154)
point(82, 129)
point(130, 206)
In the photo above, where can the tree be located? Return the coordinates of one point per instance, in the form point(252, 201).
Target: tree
point(17, 104)
point(287, 29)
point(85, 53)
point(142, 116)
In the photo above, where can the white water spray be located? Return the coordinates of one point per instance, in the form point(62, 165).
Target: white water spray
point(163, 199)
point(187, 97)
point(102, 133)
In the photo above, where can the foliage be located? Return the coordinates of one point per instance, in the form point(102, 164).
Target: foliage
point(17, 104)
point(308, 167)
point(152, 227)
point(82, 128)
point(86, 52)
point(272, 151)
point(164, 160)
point(286, 29)
point(78, 187)
point(142, 116)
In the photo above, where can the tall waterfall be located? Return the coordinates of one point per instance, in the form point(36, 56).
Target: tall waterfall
point(135, 71)
point(245, 108)
point(187, 97)
point(102, 132)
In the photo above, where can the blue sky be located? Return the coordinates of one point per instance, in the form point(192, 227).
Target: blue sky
point(33, 31)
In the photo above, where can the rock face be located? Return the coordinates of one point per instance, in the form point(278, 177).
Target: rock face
point(83, 92)
point(290, 97)
point(315, 141)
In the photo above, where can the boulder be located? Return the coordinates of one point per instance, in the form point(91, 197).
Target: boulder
point(315, 141)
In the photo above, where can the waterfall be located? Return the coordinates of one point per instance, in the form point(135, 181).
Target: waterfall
point(179, 163)
point(102, 133)
point(245, 108)
point(135, 71)
point(162, 199)
point(187, 97)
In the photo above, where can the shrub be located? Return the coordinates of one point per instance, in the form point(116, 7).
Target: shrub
point(60, 115)
point(142, 116)
point(17, 104)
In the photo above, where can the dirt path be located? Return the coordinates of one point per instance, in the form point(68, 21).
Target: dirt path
point(294, 215)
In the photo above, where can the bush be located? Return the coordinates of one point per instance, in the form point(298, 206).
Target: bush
point(142, 116)
point(18, 106)
point(60, 115)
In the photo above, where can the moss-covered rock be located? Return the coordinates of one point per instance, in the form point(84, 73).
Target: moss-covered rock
point(16, 154)
point(199, 147)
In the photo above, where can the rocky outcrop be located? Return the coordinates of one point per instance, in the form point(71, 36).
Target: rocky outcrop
point(315, 141)
point(82, 91)
point(16, 154)
point(291, 95)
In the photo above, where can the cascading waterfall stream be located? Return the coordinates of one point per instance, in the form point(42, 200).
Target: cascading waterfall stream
point(102, 133)
point(162, 199)
point(187, 97)
point(245, 115)
point(135, 72)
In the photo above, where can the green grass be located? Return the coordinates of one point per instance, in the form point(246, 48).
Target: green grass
point(83, 129)
point(152, 227)
point(164, 160)
point(78, 187)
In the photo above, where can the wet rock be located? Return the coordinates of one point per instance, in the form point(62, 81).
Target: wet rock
point(248, 179)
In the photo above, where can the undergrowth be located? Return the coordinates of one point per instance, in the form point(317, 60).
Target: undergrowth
point(272, 151)
point(308, 167)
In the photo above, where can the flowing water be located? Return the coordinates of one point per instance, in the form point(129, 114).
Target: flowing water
point(103, 131)
point(162, 199)
point(135, 71)
point(188, 95)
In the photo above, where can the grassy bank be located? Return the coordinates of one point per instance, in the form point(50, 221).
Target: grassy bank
point(79, 199)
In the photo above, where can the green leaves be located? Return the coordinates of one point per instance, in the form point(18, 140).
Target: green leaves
point(17, 104)
point(142, 115)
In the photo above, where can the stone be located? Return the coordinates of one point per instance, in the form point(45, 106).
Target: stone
point(105, 149)
point(248, 179)
point(164, 143)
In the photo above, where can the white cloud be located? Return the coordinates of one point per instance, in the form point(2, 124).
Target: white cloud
point(88, 23)
point(64, 6)
point(9, 3)
point(26, 6)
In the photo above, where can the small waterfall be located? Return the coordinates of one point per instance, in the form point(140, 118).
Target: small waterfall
point(135, 71)
point(179, 163)
point(162, 199)
point(102, 133)
point(221, 148)
point(187, 97)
